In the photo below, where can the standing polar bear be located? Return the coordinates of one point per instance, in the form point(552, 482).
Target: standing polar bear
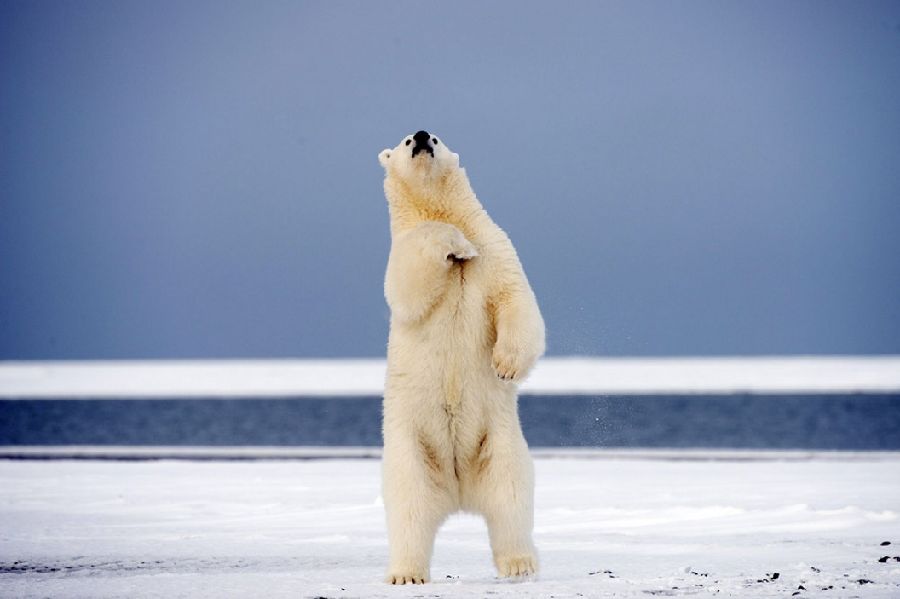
point(465, 328)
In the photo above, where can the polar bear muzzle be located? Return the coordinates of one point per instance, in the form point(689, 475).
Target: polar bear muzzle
point(421, 138)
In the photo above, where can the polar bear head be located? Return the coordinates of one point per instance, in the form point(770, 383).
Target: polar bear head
point(419, 159)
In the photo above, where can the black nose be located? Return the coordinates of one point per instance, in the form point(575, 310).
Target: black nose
point(422, 138)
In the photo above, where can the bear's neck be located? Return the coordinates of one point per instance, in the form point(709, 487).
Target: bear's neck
point(450, 200)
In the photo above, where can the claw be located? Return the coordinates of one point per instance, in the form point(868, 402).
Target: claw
point(405, 579)
point(517, 567)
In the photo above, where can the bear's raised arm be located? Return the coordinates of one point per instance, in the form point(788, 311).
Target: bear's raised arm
point(520, 329)
point(418, 266)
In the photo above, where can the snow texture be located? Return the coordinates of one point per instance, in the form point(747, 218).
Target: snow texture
point(604, 528)
point(353, 378)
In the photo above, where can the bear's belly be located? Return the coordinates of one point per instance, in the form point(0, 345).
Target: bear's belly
point(443, 400)
point(444, 405)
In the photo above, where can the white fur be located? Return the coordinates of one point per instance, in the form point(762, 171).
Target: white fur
point(465, 328)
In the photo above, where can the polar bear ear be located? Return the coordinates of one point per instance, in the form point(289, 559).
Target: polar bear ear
point(455, 158)
point(384, 156)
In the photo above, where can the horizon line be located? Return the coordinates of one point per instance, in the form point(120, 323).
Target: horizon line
point(355, 377)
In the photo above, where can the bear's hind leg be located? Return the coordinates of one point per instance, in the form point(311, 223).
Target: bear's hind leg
point(416, 507)
point(509, 528)
point(506, 498)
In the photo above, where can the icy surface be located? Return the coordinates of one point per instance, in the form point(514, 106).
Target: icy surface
point(352, 378)
point(604, 528)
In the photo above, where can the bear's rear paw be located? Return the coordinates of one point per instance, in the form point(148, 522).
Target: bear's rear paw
point(406, 578)
point(516, 565)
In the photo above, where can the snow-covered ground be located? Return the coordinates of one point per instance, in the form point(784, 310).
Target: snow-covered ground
point(351, 378)
point(604, 528)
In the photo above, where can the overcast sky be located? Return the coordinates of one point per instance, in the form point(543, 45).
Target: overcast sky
point(199, 179)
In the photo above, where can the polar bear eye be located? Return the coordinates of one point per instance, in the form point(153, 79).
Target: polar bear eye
point(408, 141)
point(434, 139)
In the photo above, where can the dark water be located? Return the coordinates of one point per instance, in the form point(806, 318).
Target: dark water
point(851, 422)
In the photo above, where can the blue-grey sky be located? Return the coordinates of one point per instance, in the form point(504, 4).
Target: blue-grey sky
point(199, 179)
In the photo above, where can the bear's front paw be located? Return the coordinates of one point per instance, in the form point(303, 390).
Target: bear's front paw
point(510, 363)
point(406, 578)
point(516, 565)
point(460, 249)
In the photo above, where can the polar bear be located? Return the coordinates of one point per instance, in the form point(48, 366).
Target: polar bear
point(465, 328)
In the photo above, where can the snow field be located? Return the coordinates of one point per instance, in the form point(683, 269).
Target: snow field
point(352, 378)
point(604, 528)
